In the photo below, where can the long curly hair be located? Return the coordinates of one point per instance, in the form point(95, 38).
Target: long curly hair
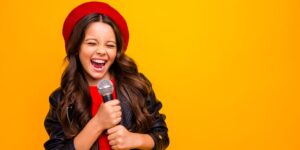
point(75, 88)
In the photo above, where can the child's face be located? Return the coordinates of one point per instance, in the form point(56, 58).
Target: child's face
point(97, 51)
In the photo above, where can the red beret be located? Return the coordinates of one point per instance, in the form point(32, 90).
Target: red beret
point(95, 7)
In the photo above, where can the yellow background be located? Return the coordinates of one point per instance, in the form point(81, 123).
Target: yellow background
point(226, 71)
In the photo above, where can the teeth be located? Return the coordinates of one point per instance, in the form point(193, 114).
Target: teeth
point(98, 61)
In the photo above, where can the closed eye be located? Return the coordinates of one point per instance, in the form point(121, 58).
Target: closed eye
point(111, 46)
point(91, 43)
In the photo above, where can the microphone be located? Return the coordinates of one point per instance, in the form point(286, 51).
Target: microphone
point(106, 88)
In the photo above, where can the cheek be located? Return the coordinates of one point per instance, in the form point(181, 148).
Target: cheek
point(84, 57)
point(113, 55)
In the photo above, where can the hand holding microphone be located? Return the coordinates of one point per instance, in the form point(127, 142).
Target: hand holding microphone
point(119, 137)
point(109, 113)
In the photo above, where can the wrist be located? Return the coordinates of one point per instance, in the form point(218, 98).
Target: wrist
point(137, 140)
point(96, 125)
point(143, 141)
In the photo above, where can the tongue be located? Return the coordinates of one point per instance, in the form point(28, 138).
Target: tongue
point(97, 65)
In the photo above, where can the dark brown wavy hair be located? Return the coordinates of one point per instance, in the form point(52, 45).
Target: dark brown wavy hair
point(76, 99)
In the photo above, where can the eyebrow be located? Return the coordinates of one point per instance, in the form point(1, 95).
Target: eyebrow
point(97, 40)
point(90, 39)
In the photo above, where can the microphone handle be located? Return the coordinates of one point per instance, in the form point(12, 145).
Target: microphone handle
point(107, 98)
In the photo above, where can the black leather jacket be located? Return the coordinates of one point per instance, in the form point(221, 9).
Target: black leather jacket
point(58, 141)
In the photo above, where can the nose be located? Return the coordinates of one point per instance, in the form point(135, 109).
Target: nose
point(101, 51)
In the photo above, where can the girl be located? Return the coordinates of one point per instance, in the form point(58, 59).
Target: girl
point(96, 38)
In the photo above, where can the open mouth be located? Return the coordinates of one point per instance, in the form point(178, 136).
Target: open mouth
point(98, 64)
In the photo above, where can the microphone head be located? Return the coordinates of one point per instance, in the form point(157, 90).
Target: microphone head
point(105, 87)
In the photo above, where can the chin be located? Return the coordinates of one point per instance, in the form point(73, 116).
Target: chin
point(97, 76)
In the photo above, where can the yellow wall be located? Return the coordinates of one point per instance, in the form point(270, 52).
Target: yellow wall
point(226, 71)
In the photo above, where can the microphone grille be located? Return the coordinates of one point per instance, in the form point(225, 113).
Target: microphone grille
point(105, 87)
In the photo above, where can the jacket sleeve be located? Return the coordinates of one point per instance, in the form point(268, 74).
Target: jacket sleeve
point(159, 130)
point(57, 139)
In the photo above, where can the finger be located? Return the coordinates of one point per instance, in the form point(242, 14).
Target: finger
point(117, 142)
point(114, 147)
point(115, 111)
point(112, 142)
point(117, 114)
point(117, 108)
point(112, 136)
point(117, 120)
point(113, 102)
point(113, 129)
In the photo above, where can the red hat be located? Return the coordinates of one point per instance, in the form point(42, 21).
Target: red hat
point(95, 7)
